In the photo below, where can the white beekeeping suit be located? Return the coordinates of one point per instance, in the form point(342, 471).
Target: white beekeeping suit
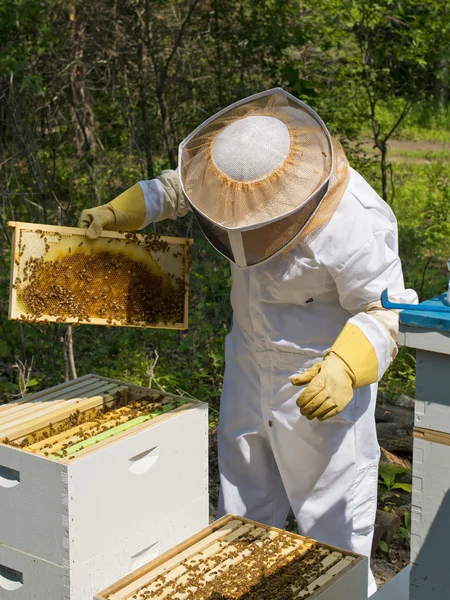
point(272, 191)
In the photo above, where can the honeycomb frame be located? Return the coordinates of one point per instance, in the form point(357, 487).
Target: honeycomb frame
point(166, 259)
point(36, 418)
point(239, 551)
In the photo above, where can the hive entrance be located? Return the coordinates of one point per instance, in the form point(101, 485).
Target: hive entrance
point(118, 279)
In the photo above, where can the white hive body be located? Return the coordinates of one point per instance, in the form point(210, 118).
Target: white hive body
point(72, 525)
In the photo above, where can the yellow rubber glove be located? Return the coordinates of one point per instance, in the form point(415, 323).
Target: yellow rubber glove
point(124, 213)
point(350, 363)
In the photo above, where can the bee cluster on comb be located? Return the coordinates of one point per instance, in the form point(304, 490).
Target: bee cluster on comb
point(125, 279)
point(239, 559)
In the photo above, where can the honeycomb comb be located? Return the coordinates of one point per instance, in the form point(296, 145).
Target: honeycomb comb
point(120, 279)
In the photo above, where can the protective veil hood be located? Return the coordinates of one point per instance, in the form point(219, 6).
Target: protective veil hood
point(257, 172)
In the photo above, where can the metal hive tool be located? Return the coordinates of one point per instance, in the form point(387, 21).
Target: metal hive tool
point(120, 279)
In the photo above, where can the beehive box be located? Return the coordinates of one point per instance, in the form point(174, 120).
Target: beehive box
point(430, 514)
point(73, 522)
point(137, 280)
point(236, 558)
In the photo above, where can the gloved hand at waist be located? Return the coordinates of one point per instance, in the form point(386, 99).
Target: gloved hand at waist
point(350, 363)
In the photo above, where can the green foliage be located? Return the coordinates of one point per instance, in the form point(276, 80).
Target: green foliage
point(383, 547)
point(388, 475)
point(388, 482)
point(400, 378)
point(95, 95)
point(404, 533)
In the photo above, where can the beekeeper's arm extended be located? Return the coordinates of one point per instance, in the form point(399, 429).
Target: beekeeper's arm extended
point(144, 203)
point(368, 342)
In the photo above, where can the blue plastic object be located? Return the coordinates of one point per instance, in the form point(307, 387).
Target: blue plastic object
point(434, 305)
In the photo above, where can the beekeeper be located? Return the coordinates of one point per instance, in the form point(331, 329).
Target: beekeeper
point(311, 246)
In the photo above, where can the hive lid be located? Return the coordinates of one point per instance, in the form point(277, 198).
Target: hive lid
point(128, 279)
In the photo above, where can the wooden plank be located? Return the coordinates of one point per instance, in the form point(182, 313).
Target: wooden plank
point(4, 408)
point(13, 274)
point(212, 569)
point(133, 431)
point(298, 591)
point(50, 401)
point(98, 321)
point(335, 569)
point(388, 523)
point(57, 441)
point(430, 435)
point(141, 389)
point(19, 225)
point(326, 577)
point(176, 561)
point(78, 394)
point(59, 414)
point(166, 556)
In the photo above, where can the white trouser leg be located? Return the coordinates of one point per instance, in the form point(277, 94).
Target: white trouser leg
point(250, 483)
point(329, 468)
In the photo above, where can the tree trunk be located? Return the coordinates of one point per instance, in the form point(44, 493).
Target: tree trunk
point(384, 172)
point(165, 127)
point(218, 51)
point(146, 131)
point(80, 100)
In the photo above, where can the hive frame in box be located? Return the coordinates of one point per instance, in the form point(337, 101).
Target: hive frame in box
point(348, 584)
point(62, 412)
point(16, 314)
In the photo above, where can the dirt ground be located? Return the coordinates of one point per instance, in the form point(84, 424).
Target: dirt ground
point(410, 151)
point(383, 567)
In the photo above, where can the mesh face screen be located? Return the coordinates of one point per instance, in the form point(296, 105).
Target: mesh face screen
point(118, 279)
point(215, 235)
point(264, 242)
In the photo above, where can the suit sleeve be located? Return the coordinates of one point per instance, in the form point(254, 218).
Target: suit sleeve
point(164, 198)
point(369, 270)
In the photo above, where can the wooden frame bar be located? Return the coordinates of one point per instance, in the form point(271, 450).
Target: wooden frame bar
point(430, 435)
point(37, 411)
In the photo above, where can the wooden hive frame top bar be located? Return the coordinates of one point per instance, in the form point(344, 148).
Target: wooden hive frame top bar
point(234, 546)
point(36, 412)
point(169, 255)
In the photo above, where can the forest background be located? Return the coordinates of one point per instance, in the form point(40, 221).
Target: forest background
point(95, 96)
